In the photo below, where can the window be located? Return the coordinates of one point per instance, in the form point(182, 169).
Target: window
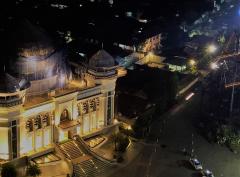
point(29, 125)
point(14, 123)
point(46, 120)
point(37, 122)
point(109, 109)
point(14, 138)
point(64, 116)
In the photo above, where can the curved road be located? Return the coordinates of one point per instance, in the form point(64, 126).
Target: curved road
point(161, 155)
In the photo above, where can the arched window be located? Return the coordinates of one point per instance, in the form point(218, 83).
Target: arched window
point(92, 105)
point(46, 120)
point(29, 125)
point(37, 122)
point(64, 116)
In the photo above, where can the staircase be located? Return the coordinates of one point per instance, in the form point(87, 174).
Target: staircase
point(91, 168)
point(71, 150)
point(84, 163)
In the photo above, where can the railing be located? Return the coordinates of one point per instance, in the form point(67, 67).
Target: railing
point(10, 102)
point(103, 73)
point(82, 143)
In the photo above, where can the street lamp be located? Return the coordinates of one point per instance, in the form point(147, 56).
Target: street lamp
point(214, 66)
point(115, 121)
point(211, 49)
point(129, 127)
point(192, 62)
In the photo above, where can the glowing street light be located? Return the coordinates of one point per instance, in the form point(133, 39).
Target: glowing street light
point(129, 127)
point(211, 49)
point(214, 66)
point(115, 121)
point(192, 62)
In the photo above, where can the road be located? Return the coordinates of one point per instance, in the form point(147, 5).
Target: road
point(161, 155)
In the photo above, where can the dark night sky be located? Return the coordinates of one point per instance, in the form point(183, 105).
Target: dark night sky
point(160, 14)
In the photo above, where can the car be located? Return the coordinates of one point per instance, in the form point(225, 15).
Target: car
point(207, 173)
point(196, 164)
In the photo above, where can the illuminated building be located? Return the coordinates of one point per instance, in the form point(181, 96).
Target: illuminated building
point(44, 101)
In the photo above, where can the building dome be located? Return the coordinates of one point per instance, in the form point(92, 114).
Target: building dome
point(101, 59)
point(36, 58)
point(10, 84)
point(31, 40)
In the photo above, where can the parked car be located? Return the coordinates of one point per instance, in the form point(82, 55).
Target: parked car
point(207, 173)
point(196, 164)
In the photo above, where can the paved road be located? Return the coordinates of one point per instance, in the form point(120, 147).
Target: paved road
point(162, 156)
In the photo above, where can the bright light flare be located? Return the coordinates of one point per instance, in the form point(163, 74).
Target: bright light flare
point(214, 66)
point(189, 96)
point(115, 121)
point(129, 127)
point(192, 62)
point(211, 48)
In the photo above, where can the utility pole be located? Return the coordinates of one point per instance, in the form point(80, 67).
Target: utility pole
point(192, 150)
point(233, 92)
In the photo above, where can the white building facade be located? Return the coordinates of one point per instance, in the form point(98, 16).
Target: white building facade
point(51, 104)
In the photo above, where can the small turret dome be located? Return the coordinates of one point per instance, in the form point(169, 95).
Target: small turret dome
point(101, 59)
point(10, 84)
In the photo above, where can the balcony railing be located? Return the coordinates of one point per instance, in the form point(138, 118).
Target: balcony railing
point(10, 102)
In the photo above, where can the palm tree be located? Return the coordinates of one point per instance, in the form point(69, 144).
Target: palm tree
point(33, 170)
point(8, 170)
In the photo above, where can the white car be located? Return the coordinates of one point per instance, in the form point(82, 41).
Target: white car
point(195, 163)
point(207, 173)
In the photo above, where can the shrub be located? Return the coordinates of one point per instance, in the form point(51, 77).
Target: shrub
point(33, 170)
point(120, 141)
point(8, 170)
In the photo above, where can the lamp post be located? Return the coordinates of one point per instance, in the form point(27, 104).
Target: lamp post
point(192, 62)
point(211, 49)
point(192, 151)
point(214, 66)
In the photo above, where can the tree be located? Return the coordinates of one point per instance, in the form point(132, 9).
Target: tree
point(114, 137)
point(8, 170)
point(33, 170)
point(120, 141)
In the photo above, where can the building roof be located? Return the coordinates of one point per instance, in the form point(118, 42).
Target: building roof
point(10, 84)
point(101, 59)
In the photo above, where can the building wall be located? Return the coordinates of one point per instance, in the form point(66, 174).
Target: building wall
point(4, 150)
point(93, 108)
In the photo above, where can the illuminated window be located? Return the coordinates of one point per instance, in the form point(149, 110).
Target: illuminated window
point(37, 122)
point(64, 116)
point(29, 125)
point(109, 109)
point(46, 120)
